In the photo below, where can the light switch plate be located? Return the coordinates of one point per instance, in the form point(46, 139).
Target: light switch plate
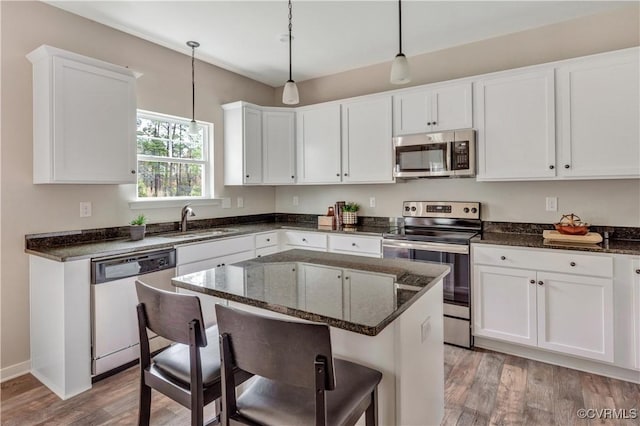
point(552, 204)
point(296, 200)
point(372, 201)
point(425, 329)
point(240, 202)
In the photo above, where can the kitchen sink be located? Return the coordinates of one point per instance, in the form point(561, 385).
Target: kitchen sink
point(199, 234)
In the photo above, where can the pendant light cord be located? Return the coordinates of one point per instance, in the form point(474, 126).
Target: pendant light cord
point(290, 28)
point(400, 26)
point(193, 84)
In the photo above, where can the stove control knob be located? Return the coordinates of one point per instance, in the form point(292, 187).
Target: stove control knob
point(466, 209)
point(413, 209)
point(474, 210)
point(406, 208)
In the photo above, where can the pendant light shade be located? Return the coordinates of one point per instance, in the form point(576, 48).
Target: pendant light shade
point(400, 68)
point(290, 94)
point(194, 129)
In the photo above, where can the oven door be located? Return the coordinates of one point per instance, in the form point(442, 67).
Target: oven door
point(456, 285)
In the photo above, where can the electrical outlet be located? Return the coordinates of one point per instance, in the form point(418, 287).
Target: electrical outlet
point(226, 203)
point(425, 329)
point(296, 201)
point(240, 202)
point(85, 208)
point(552, 204)
point(372, 201)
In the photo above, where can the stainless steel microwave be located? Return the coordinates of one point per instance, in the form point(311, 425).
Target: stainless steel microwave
point(435, 154)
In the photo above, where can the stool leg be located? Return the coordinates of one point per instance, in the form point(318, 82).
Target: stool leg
point(144, 415)
point(371, 415)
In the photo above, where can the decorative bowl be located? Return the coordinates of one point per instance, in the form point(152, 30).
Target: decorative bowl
point(571, 224)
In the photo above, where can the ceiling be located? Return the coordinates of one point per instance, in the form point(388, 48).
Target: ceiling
point(329, 36)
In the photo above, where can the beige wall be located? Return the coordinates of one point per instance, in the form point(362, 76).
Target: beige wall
point(165, 87)
point(606, 202)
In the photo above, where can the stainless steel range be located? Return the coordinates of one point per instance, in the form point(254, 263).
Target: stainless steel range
point(440, 231)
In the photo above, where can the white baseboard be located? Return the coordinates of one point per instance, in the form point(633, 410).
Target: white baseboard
point(559, 359)
point(13, 371)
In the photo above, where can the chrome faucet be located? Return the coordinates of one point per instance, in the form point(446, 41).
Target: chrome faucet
point(186, 212)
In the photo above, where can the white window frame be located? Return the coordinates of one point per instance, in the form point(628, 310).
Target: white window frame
point(206, 162)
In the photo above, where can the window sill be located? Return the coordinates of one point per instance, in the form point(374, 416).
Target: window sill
point(178, 202)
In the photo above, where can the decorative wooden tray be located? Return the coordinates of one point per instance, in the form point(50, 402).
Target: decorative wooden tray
point(589, 238)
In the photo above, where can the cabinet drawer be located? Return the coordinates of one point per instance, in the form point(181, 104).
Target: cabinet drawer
point(354, 244)
point(266, 240)
point(306, 239)
point(200, 251)
point(544, 260)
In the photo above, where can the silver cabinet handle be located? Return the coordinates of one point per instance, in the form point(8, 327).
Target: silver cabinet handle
point(304, 240)
point(503, 258)
point(532, 281)
point(540, 283)
point(353, 244)
point(268, 239)
point(572, 264)
point(637, 271)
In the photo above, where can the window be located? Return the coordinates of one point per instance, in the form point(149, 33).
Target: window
point(171, 162)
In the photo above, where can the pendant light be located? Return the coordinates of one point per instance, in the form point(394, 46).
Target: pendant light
point(400, 66)
point(290, 93)
point(194, 129)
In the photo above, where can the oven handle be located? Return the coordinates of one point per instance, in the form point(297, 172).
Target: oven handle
point(415, 245)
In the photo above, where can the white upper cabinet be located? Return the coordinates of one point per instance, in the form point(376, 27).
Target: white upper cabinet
point(84, 119)
point(367, 149)
point(574, 119)
point(278, 133)
point(242, 144)
point(516, 125)
point(430, 110)
point(318, 144)
point(599, 116)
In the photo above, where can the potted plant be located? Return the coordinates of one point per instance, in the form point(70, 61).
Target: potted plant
point(138, 227)
point(350, 213)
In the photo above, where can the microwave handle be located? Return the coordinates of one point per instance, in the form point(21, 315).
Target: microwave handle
point(449, 157)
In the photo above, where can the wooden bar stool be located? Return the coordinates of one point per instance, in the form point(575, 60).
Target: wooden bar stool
point(298, 382)
point(188, 371)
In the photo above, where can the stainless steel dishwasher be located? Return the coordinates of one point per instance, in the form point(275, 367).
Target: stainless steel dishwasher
point(114, 322)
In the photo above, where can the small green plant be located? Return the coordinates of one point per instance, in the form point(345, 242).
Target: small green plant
point(139, 220)
point(351, 207)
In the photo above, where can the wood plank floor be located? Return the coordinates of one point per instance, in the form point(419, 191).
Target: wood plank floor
point(481, 388)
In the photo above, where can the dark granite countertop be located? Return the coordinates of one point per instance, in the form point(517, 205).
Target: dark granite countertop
point(530, 235)
point(355, 293)
point(75, 245)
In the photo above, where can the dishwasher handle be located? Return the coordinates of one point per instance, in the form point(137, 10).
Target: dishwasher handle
point(133, 264)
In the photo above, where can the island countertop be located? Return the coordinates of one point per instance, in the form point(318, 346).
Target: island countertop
point(354, 293)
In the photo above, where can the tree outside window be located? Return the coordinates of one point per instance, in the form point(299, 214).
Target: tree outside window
point(171, 162)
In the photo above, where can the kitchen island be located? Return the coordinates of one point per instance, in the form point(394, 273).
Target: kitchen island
point(383, 313)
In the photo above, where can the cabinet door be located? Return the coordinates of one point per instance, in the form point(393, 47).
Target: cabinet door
point(636, 309)
point(318, 145)
point(411, 113)
point(94, 125)
point(504, 304)
point(281, 284)
point(278, 147)
point(575, 315)
point(366, 141)
point(600, 117)
point(516, 126)
point(371, 296)
point(323, 290)
point(451, 108)
point(252, 138)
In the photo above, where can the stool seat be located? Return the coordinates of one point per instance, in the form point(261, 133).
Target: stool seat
point(175, 362)
point(272, 403)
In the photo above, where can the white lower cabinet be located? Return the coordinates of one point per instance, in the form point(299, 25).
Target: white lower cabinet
point(636, 311)
point(358, 245)
point(505, 304)
point(211, 254)
point(567, 313)
point(323, 290)
point(316, 241)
